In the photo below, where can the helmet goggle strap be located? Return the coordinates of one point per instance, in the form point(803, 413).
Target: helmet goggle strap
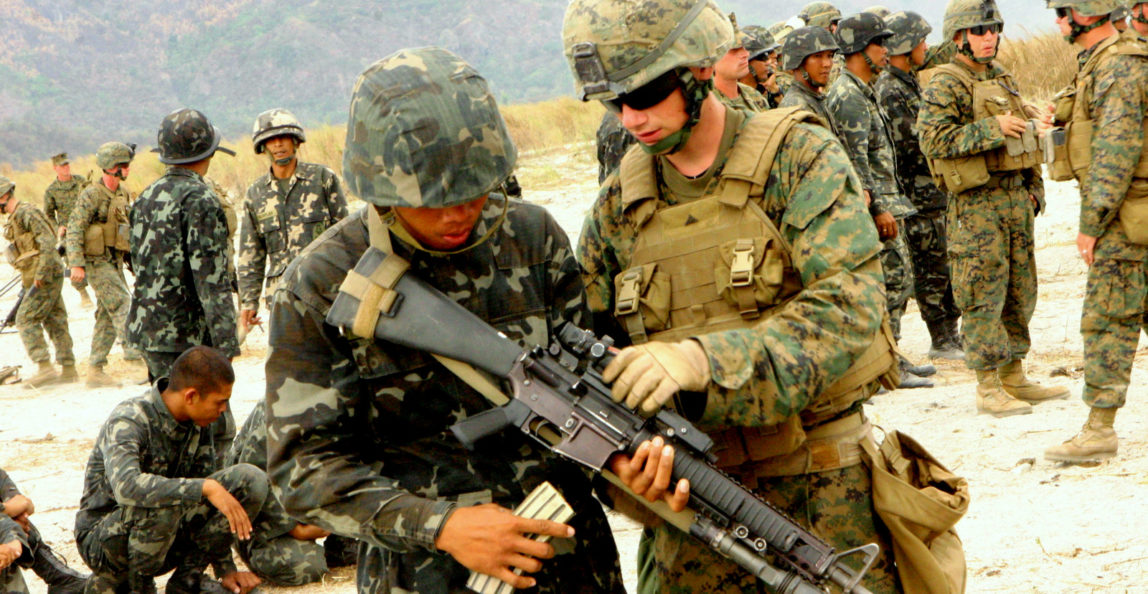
point(1077, 29)
point(966, 48)
point(117, 170)
point(391, 220)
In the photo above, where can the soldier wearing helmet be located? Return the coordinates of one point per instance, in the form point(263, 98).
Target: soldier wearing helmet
point(1110, 162)
point(284, 210)
point(820, 14)
point(865, 133)
point(762, 74)
point(731, 68)
point(807, 55)
point(59, 199)
point(97, 244)
point(355, 426)
point(899, 96)
point(670, 229)
point(32, 252)
point(1138, 16)
point(982, 149)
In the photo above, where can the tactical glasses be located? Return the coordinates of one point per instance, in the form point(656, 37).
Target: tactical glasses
point(994, 28)
point(647, 95)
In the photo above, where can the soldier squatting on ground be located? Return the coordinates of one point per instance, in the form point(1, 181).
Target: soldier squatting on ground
point(33, 553)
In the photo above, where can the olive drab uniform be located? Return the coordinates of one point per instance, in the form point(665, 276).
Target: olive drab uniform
point(734, 260)
point(32, 251)
point(990, 215)
point(97, 240)
point(280, 218)
point(59, 200)
point(1111, 164)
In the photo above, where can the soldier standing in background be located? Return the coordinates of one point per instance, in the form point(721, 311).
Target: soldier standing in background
point(285, 209)
point(1111, 87)
point(820, 14)
point(863, 130)
point(59, 200)
point(97, 242)
point(899, 96)
point(807, 55)
point(984, 154)
point(613, 141)
point(730, 69)
point(1138, 17)
point(762, 75)
point(32, 252)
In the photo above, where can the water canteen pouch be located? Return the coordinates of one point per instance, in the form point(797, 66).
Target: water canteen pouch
point(1134, 214)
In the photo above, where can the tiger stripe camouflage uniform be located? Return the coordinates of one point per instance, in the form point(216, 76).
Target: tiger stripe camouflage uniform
point(104, 272)
point(59, 200)
point(899, 95)
point(42, 310)
point(143, 509)
point(280, 218)
point(864, 131)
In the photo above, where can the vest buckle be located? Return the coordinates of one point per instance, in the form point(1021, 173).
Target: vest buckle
point(741, 268)
point(627, 300)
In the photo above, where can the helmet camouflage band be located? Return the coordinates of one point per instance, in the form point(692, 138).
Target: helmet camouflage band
point(276, 122)
point(819, 14)
point(909, 30)
point(805, 42)
point(966, 14)
point(616, 46)
point(424, 131)
point(111, 154)
point(1091, 8)
point(762, 41)
point(185, 136)
point(6, 186)
point(856, 32)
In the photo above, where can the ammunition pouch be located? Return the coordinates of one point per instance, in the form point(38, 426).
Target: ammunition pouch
point(960, 174)
point(94, 240)
point(115, 227)
point(1133, 214)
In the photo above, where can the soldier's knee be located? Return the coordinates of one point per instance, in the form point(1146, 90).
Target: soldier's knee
point(246, 482)
point(289, 562)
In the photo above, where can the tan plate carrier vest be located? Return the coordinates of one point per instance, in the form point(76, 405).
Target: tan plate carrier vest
point(1070, 154)
point(22, 250)
point(718, 263)
point(993, 97)
point(112, 232)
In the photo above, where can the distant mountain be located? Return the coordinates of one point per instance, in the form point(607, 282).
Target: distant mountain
point(74, 74)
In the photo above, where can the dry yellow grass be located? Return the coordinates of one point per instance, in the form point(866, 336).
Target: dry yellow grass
point(1042, 64)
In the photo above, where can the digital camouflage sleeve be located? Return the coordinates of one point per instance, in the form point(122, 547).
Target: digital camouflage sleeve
point(48, 261)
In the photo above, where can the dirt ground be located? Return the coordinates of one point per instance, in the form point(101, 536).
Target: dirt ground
point(1033, 526)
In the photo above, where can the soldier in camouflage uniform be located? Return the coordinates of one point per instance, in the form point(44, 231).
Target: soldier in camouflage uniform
point(1111, 87)
point(97, 242)
point(59, 200)
point(358, 439)
point(13, 546)
point(730, 69)
point(1138, 16)
point(182, 293)
point(780, 31)
point(820, 14)
point(227, 203)
point(807, 55)
point(613, 141)
point(155, 497)
point(1119, 18)
point(285, 209)
point(879, 11)
point(32, 252)
point(863, 130)
point(761, 363)
point(985, 154)
point(37, 556)
point(899, 97)
point(763, 60)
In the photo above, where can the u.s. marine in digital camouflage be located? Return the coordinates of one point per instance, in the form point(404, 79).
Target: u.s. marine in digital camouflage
point(59, 199)
point(358, 439)
point(759, 373)
point(731, 69)
point(283, 211)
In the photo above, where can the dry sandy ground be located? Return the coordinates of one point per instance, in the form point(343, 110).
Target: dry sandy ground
point(1033, 526)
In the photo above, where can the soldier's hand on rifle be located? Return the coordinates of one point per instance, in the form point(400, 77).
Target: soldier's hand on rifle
point(230, 507)
point(490, 539)
point(240, 582)
point(649, 472)
point(9, 553)
point(1012, 125)
point(77, 274)
point(648, 375)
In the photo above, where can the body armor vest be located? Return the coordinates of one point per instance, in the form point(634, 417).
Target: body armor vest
point(109, 231)
point(22, 252)
point(993, 97)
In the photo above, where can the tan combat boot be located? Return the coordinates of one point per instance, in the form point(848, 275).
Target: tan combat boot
point(68, 375)
point(98, 379)
point(86, 300)
point(993, 400)
point(1095, 442)
point(1018, 386)
point(45, 376)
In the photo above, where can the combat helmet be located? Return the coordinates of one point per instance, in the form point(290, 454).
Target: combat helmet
point(909, 30)
point(111, 154)
point(762, 43)
point(615, 47)
point(1088, 8)
point(805, 42)
point(879, 10)
point(276, 122)
point(780, 30)
point(856, 32)
point(819, 14)
point(6, 185)
point(185, 136)
point(424, 131)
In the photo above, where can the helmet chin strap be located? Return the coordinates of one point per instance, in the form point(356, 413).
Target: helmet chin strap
point(872, 66)
point(284, 160)
point(967, 49)
point(695, 93)
point(1078, 29)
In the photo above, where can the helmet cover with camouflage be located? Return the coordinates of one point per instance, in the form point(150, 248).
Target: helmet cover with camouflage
point(780, 30)
point(185, 136)
point(804, 42)
point(276, 122)
point(6, 186)
point(909, 30)
point(424, 131)
point(615, 47)
point(966, 14)
point(762, 43)
point(1087, 8)
point(59, 159)
point(879, 10)
point(855, 33)
point(111, 154)
point(741, 39)
point(819, 14)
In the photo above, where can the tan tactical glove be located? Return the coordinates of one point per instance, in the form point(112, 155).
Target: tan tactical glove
point(648, 375)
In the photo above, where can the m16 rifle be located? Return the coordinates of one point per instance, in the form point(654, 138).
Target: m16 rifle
point(10, 319)
point(560, 399)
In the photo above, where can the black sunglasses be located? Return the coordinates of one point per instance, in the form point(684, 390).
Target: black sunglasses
point(985, 29)
point(648, 95)
point(1063, 12)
